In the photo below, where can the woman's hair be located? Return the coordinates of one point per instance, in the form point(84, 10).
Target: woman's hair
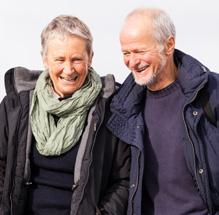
point(163, 26)
point(65, 25)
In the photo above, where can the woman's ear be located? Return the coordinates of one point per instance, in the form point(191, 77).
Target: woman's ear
point(170, 45)
point(45, 63)
point(91, 58)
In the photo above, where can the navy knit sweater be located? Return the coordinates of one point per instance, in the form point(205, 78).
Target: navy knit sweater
point(168, 186)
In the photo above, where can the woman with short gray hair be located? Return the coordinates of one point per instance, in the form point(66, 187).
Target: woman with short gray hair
point(56, 155)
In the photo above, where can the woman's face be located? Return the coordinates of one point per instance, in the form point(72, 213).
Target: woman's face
point(67, 62)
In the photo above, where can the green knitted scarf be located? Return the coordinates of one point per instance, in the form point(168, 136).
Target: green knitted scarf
point(52, 138)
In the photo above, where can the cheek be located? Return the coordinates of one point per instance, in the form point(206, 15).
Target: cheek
point(56, 68)
point(82, 69)
point(84, 75)
point(147, 58)
point(53, 74)
point(126, 61)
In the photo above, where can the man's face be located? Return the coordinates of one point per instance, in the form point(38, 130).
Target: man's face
point(67, 61)
point(141, 53)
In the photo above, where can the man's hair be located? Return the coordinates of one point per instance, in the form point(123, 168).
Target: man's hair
point(162, 24)
point(65, 25)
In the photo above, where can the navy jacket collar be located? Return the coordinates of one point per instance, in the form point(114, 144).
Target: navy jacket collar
point(126, 108)
point(128, 103)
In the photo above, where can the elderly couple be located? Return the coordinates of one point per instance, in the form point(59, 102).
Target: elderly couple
point(71, 142)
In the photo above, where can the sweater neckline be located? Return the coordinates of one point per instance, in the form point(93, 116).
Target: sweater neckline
point(165, 91)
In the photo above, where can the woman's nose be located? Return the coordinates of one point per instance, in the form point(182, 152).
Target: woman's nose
point(68, 68)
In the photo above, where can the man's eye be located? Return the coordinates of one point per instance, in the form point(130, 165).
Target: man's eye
point(126, 54)
point(59, 60)
point(141, 52)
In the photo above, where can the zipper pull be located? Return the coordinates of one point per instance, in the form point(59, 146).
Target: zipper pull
point(95, 126)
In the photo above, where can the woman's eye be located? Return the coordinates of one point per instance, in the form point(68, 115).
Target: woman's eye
point(77, 60)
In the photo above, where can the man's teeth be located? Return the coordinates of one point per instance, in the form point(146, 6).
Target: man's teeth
point(142, 69)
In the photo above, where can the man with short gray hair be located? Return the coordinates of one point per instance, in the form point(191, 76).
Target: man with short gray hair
point(167, 110)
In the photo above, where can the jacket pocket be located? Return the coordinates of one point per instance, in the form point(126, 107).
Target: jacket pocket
point(2, 176)
point(210, 140)
point(19, 195)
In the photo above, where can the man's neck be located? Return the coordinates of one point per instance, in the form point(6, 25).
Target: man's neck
point(166, 77)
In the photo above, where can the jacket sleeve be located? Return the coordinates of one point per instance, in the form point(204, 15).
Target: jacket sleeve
point(3, 143)
point(115, 200)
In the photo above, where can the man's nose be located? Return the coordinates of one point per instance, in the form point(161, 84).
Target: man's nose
point(133, 60)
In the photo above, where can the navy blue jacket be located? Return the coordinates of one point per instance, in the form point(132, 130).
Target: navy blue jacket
point(202, 149)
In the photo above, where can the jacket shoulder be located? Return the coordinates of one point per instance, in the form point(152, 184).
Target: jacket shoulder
point(212, 93)
point(109, 86)
point(20, 79)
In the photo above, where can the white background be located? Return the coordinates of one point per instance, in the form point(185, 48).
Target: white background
point(21, 22)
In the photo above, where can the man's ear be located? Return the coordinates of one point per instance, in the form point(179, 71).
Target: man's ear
point(170, 45)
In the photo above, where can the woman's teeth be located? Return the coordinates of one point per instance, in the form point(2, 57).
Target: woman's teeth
point(72, 78)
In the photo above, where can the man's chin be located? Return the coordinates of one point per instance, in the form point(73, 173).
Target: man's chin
point(143, 81)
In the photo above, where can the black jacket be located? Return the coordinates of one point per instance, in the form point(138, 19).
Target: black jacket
point(101, 174)
point(202, 149)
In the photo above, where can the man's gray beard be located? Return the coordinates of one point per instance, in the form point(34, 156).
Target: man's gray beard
point(153, 78)
point(147, 82)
